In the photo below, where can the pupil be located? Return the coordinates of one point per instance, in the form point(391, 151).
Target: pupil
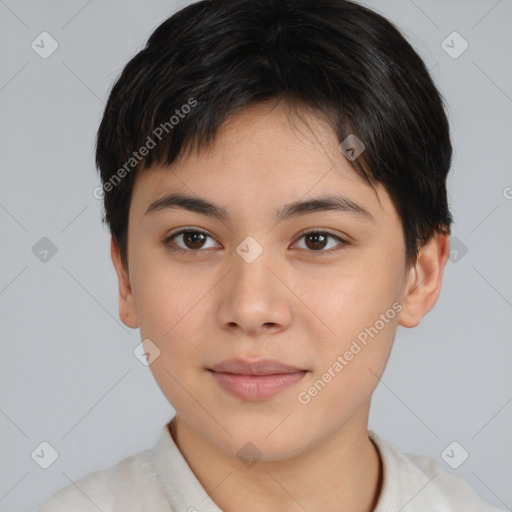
point(192, 236)
point(316, 236)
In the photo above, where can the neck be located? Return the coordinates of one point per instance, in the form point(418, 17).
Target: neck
point(344, 472)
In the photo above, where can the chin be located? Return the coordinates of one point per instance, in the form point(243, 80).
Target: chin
point(265, 438)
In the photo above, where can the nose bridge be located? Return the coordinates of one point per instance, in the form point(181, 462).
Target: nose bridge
point(254, 297)
point(252, 261)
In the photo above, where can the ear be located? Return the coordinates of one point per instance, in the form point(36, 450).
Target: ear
point(423, 283)
point(127, 311)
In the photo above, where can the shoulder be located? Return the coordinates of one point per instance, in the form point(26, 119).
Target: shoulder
point(108, 489)
point(415, 482)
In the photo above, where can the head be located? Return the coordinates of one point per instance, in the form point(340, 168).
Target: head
point(232, 115)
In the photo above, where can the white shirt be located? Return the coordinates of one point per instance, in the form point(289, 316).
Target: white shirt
point(160, 480)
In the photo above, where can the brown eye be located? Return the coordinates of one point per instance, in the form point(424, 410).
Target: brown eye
point(316, 241)
point(193, 239)
point(187, 240)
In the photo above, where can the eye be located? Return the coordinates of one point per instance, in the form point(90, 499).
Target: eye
point(317, 240)
point(193, 240)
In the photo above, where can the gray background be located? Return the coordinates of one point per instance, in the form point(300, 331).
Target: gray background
point(68, 373)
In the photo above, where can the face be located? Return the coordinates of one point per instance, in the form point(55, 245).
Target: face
point(319, 289)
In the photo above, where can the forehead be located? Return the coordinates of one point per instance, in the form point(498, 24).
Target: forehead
point(274, 134)
point(270, 155)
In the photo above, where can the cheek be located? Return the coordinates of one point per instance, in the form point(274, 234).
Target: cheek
point(172, 315)
point(349, 302)
point(361, 308)
point(168, 302)
point(350, 364)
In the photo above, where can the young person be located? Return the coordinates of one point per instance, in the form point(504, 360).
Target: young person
point(274, 179)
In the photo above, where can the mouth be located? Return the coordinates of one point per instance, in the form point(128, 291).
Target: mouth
point(255, 380)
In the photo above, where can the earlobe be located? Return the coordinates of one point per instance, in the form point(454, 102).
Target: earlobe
point(424, 280)
point(127, 310)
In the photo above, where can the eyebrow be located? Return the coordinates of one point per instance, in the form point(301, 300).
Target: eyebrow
point(204, 207)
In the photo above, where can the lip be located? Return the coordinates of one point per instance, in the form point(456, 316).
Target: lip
point(255, 380)
point(258, 367)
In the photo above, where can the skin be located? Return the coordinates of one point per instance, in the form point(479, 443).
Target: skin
point(301, 302)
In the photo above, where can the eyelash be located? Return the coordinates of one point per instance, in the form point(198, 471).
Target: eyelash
point(168, 240)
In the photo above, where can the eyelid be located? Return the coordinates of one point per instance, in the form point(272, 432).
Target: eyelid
point(185, 229)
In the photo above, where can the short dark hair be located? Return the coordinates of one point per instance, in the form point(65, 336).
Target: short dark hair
point(345, 62)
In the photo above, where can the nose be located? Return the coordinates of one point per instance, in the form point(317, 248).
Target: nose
point(255, 298)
